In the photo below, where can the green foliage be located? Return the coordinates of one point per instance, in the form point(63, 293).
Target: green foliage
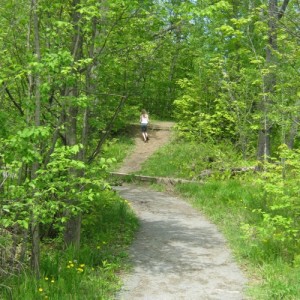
point(91, 273)
point(224, 94)
point(278, 230)
point(48, 194)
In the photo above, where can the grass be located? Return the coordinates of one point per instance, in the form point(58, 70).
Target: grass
point(232, 204)
point(117, 149)
point(229, 204)
point(91, 272)
point(187, 160)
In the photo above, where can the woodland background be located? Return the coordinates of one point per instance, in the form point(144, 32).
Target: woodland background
point(74, 73)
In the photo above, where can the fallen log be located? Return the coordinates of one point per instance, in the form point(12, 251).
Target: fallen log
point(151, 179)
point(233, 171)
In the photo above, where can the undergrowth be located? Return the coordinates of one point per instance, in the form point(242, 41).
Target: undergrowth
point(91, 272)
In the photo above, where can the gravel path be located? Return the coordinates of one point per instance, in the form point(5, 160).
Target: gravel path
point(178, 253)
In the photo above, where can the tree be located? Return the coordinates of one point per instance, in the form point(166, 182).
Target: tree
point(240, 85)
point(82, 64)
point(269, 81)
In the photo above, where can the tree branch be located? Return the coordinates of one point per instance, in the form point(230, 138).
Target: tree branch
point(283, 9)
point(107, 130)
point(17, 105)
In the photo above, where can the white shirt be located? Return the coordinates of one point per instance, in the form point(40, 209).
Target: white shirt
point(144, 119)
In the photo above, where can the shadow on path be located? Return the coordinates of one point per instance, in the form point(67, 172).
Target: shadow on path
point(177, 253)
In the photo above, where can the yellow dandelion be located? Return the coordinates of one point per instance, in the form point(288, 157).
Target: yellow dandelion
point(70, 261)
point(71, 265)
point(52, 281)
point(40, 289)
point(79, 270)
point(46, 278)
point(82, 265)
point(68, 267)
point(98, 247)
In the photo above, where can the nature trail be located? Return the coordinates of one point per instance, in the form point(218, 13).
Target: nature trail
point(177, 253)
point(159, 135)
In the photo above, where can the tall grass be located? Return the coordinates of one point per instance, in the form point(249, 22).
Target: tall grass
point(118, 149)
point(181, 159)
point(229, 205)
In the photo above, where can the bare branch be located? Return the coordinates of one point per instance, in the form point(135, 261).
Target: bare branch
point(107, 130)
point(16, 104)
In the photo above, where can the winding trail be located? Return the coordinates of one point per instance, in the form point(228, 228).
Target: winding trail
point(177, 254)
point(159, 134)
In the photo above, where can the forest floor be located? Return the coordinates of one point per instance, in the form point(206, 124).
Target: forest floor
point(177, 254)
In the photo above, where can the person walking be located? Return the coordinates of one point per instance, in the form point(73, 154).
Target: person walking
point(144, 120)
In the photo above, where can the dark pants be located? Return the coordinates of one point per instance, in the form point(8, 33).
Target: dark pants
point(144, 127)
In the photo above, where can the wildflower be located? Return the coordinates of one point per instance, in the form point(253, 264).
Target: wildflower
point(52, 281)
point(98, 247)
point(40, 289)
point(46, 278)
point(80, 270)
point(82, 265)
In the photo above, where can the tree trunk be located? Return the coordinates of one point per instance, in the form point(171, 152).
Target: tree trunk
point(72, 231)
point(35, 230)
point(294, 128)
point(73, 225)
point(264, 141)
point(293, 133)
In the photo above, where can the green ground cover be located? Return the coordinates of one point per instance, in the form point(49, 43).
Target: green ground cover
point(90, 273)
point(181, 159)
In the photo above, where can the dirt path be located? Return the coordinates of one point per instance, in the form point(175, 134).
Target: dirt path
point(159, 134)
point(177, 254)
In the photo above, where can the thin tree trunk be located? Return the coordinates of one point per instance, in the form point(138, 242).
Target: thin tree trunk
point(293, 133)
point(73, 225)
point(35, 231)
point(294, 128)
point(264, 141)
